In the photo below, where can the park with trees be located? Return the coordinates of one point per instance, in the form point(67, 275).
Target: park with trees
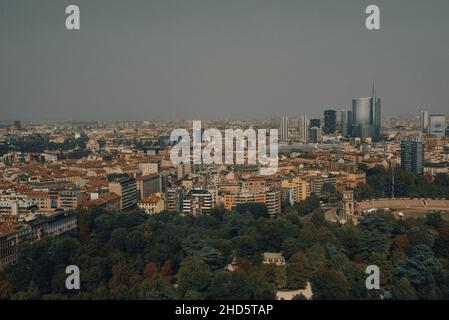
point(131, 255)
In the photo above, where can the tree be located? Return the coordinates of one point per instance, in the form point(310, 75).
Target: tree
point(150, 270)
point(167, 270)
point(258, 210)
point(401, 242)
point(330, 285)
point(230, 286)
point(363, 191)
point(307, 206)
point(135, 241)
point(328, 189)
point(374, 236)
point(5, 290)
point(296, 271)
point(84, 222)
point(350, 239)
point(434, 219)
point(118, 238)
point(246, 247)
point(262, 287)
point(420, 270)
point(318, 218)
point(195, 246)
point(155, 288)
point(403, 290)
point(194, 275)
point(442, 242)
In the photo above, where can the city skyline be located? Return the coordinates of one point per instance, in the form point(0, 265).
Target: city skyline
point(236, 59)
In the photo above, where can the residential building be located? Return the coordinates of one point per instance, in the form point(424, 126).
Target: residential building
point(126, 187)
point(197, 201)
point(412, 155)
point(147, 185)
point(330, 121)
point(154, 203)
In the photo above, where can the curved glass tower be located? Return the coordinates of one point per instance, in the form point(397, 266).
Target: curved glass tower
point(366, 117)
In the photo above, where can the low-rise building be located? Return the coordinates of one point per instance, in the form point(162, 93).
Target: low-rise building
point(273, 258)
point(11, 234)
point(154, 203)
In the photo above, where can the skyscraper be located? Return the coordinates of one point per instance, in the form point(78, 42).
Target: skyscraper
point(315, 134)
point(437, 124)
point(17, 125)
point(366, 117)
point(330, 121)
point(304, 128)
point(346, 122)
point(412, 155)
point(315, 123)
point(284, 128)
point(424, 121)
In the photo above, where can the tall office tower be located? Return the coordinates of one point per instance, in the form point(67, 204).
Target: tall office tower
point(330, 121)
point(284, 128)
point(17, 125)
point(424, 121)
point(412, 155)
point(366, 117)
point(304, 128)
point(315, 134)
point(315, 123)
point(437, 124)
point(346, 122)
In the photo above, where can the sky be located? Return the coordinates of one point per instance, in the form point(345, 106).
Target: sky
point(209, 59)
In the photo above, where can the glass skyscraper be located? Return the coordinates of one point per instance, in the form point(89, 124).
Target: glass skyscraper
point(366, 117)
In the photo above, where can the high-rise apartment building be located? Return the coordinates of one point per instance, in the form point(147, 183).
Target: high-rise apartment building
point(297, 188)
point(317, 182)
point(70, 198)
point(315, 123)
point(126, 187)
point(197, 201)
point(184, 169)
point(173, 199)
point(412, 155)
point(330, 121)
point(147, 185)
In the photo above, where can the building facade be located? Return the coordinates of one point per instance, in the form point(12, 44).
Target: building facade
point(412, 155)
point(330, 121)
point(126, 188)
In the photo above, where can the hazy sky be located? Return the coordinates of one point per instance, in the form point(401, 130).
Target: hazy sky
point(201, 59)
